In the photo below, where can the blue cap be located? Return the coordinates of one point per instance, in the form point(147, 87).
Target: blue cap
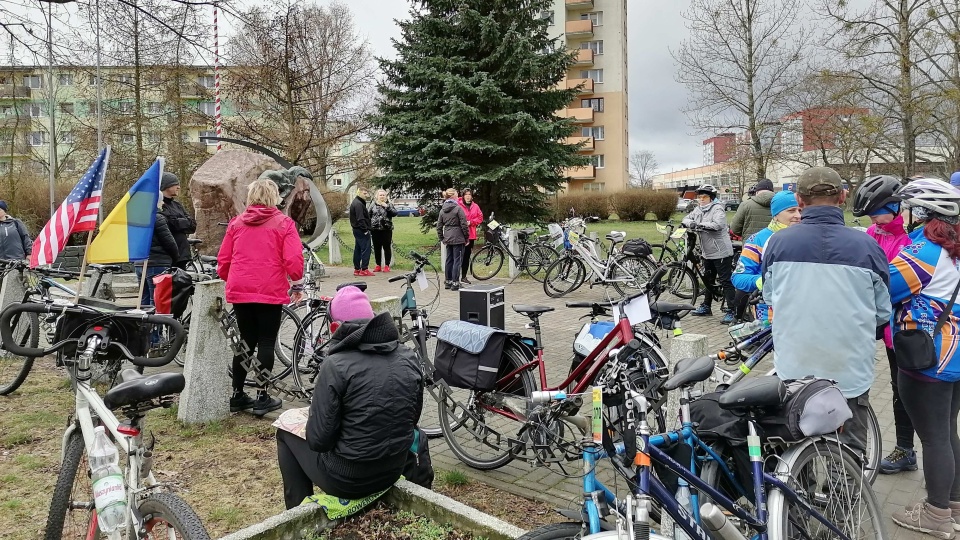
point(782, 201)
point(955, 179)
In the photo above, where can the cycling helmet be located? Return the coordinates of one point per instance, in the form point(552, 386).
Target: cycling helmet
point(936, 196)
point(708, 189)
point(875, 193)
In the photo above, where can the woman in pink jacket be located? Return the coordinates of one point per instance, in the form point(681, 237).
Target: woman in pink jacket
point(261, 259)
point(474, 218)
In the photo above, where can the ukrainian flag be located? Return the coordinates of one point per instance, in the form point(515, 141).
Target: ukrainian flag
point(126, 234)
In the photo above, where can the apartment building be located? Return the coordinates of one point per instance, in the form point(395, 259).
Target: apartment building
point(597, 30)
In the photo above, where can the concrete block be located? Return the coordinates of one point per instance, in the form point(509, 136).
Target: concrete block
point(442, 509)
point(295, 524)
point(443, 257)
point(12, 289)
point(390, 304)
point(334, 248)
point(206, 396)
point(104, 288)
point(514, 246)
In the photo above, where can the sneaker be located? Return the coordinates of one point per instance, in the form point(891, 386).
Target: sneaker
point(357, 273)
point(901, 459)
point(386, 269)
point(465, 281)
point(702, 311)
point(265, 404)
point(241, 402)
point(925, 518)
point(728, 318)
point(446, 284)
point(955, 511)
point(455, 286)
point(365, 273)
point(377, 268)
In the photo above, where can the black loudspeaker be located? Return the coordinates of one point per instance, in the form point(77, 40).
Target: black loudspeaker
point(483, 304)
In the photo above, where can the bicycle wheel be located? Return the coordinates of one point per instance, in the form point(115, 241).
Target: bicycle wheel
point(71, 508)
point(289, 322)
point(487, 262)
point(167, 516)
point(574, 531)
point(637, 270)
point(430, 415)
point(564, 276)
point(831, 481)
point(474, 429)
point(537, 259)
point(681, 282)
point(311, 337)
point(662, 254)
point(874, 442)
point(13, 368)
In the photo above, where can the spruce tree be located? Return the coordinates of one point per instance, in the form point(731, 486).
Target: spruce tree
point(471, 100)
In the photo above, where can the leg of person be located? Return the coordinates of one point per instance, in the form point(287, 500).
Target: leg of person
point(268, 324)
point(929, 405)
point(365, 254)
point(724, 270)
point(297, 468)
point(955, 443)
point(903, 457)
point(387, 249)
point(357, 249)
point(246, 320)
point(741, 301)
point(465, 263)
point(854, 432)
point(455, 268)
point(377, 238)
point(709, 276)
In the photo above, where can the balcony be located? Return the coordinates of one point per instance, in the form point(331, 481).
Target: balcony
point(579, 4)
point(584, 58)
point(587, 87)
point(582, 115)
point(14, 91)
point(579, 28)
point(573, 141)
point(580, 173)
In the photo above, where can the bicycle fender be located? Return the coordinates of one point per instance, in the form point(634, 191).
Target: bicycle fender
point(71, 427)
point(525, 350)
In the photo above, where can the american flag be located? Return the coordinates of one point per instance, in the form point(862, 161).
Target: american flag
point(78, 213)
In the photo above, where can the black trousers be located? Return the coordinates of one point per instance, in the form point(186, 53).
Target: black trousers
point(721, 269)
point(453, 264)
point(465, 264)
point(901, 420)
point(361, 249)
point(381, 243)
point(933, 407)
point(259, 325)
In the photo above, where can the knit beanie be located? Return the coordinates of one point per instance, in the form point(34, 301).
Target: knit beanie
point(764, 185)
point(782, 201)
point(955, 179)
point(350, 303)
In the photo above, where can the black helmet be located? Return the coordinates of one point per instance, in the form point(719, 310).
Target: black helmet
point(707, 189)
point(875, 193)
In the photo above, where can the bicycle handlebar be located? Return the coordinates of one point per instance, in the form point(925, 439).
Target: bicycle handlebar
point(9, 344)
point(411, 276)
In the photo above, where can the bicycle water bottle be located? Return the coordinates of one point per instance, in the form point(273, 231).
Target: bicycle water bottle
point(744, 330)
point(108, 489)
point(683, 497)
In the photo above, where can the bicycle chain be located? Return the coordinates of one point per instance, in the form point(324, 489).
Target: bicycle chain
point(250, 362)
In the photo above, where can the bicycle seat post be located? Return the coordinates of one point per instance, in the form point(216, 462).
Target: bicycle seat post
point(535, 324)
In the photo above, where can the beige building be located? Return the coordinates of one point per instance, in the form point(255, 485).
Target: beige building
point(597, 29)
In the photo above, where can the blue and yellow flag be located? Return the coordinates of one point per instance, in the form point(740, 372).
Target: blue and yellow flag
point(126, 234)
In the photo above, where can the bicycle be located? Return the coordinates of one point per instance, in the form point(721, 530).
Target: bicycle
point(674, 243)
point(624, 272)
point(686, 274)
point(200, 264)
point(88, 334)
point(533, 259)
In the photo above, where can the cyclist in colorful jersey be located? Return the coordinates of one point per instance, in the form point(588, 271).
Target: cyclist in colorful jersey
point(877, 199)
point(923, 278)
point(786, 212)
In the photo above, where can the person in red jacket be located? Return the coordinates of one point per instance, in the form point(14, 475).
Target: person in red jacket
point(474, 218)
point(261, 259)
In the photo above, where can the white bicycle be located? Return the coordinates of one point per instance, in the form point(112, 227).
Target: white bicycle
point(89, 334)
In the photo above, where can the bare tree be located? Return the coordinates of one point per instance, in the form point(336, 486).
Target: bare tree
point(739, 62)
point(302, 80)
point(643, 167)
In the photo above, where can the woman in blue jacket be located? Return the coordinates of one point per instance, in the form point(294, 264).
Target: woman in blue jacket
point(923, 277)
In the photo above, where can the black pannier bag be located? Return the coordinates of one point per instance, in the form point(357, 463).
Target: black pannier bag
point(811, 407)
point(637, 246)
point(468, 355)
point(131, 332)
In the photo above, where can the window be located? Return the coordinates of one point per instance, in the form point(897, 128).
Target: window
point(38, 167)
point(154, 107)
point(128, 138)
point(595, 131)
point(597, 161)
point(67, 137)
point(596, 17)
point(209, 134)
point(66, 108)
point(595, 103)
point(126, 78)
point(93, 80)
point(65, 79)
point(7, 110)
point(33, 81)
point(595, 46)
point(36, 138)
point(595, 74)
point(153, 138)
point(336, 182)
point(35, 110)
point(547, 14)
point(4, 166)
point(125, 107)
point(69, 164)
point(208, 108)
point(207, 81)
point(593, 186)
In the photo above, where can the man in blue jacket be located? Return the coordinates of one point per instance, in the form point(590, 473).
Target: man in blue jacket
point(827, 285)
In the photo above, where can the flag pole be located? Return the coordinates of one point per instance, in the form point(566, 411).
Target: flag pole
point(143, 282)
point(83, 268)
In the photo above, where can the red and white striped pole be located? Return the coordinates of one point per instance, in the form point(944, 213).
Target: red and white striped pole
point(216, 76)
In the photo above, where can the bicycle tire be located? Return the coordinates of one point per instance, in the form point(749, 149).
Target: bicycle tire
point(557, 531)
point(429, 419)
point(537, 259)
point(15, 368)
point(487, 262)
point(681, 282)
point(455, 425)
point(564, 276)
point(874, 446)
point(67, 519)
point(275, 375)
point(286, 334)
point(662, 254)
point(785, 523)
point(175, 513)
point(308, 344)
point(640, 269)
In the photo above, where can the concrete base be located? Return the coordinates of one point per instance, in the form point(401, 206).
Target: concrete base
point(443, 258)
point(390, 304)
point(206, 396)
point(104, 289)
point(12, 289)
point(334, 248)
point(514, 247)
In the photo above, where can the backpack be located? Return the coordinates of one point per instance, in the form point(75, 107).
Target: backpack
point(419, 467)
point(638, 247)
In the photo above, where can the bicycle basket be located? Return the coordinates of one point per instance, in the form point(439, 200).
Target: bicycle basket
point(131, 333)
point(468, 355)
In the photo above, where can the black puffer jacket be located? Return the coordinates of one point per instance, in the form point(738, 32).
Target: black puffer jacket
point(163, 251)
point(181, 226)
point(367, 401)
point(359, 215)
point(452, 226)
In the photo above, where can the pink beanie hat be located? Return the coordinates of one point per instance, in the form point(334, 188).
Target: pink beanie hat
point(350, 303)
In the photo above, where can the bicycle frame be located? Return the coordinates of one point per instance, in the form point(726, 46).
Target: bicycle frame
point(598, 268)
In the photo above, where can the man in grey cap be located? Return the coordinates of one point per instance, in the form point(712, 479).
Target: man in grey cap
point(178, 220)
point(826, 284)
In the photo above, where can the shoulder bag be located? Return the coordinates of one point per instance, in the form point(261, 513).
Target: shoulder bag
point(914, 348)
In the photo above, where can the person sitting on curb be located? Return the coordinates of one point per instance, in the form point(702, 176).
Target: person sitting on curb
point(368, 399)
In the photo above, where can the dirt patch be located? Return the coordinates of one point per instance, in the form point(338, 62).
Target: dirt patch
point(382, 523)
point(524, 513)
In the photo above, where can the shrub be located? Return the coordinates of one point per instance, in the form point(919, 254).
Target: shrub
point(584, 204)
point(337, 203)
point(630, 205)
point(663, 203)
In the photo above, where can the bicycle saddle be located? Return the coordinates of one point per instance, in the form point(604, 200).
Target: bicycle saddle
point(669, 308)
point(105, 268)
point(209, 259)
point(765, 391)
point(531, 310)
point(194, 241)
point(616, 236)
point(362, 285)
point(689, 371)
point(137, 388)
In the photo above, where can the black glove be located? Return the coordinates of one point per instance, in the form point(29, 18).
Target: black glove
point(880, 331)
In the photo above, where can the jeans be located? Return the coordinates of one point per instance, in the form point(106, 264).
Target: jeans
point(381, 243)
point(465, 265)
point(451, 268)
point(933, 407)
point(259, 325)
point(901, 420)
point(721, 269)
point(361, 251)
point(148, 287)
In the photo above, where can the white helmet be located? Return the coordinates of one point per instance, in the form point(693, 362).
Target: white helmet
point(935, 195)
